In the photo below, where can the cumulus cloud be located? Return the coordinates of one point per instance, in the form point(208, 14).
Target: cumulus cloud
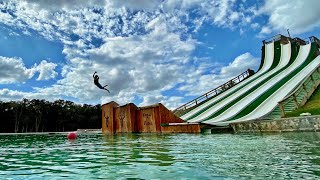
point(13, 70)
point(64, 4)
point(14, 95)
point(201, 83)
point(221, 13)
point(147, 5)
point(131, 66)
point(298, 16)
point(239, 65)
point(11, 95)
point(140, 48)
point(46, 70)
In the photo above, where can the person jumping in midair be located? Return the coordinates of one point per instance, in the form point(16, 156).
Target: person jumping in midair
point(96, 82)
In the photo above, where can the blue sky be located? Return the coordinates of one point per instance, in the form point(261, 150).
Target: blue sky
point(147, 51)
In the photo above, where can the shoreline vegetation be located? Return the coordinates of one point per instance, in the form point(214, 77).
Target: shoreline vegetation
point(32, 116)
point(60, 116)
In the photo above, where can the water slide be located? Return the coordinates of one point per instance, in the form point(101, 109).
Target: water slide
point(271, 58)
point(270, 103)
point(203, 109)
point(267, 89)
point(257, 96)
point(241, 97)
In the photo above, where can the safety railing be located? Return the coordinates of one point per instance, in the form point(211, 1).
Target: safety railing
point(302, 93)
point(285, 39)
point(214, 92)
point(278, 37)
point(314, 39)
point(301, 41)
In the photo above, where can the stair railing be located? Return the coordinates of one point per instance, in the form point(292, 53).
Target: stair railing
point(303, 91)
point(214, 92)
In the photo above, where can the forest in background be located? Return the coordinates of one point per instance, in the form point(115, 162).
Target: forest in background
point(44, 116)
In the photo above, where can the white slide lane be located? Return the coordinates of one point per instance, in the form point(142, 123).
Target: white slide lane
point(232, 111)
point(268, 60)
point(284, 60)
point(269, 104)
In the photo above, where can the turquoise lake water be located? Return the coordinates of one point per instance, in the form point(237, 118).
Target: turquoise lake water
point(161, 156)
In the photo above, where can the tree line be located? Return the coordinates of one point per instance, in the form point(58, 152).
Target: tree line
point(44, 116)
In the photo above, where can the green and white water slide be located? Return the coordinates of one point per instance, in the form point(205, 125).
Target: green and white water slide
point(283, 67)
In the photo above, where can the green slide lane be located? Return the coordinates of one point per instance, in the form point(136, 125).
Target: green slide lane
point(202, 106)
point(277, 86)
point(277, 52)
point(226, 107)
point(262, 58)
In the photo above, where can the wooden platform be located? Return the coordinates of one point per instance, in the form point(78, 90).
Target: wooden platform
point(181, 128)
point(149, 119)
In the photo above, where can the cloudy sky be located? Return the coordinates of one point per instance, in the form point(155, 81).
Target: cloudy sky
point(147, 51)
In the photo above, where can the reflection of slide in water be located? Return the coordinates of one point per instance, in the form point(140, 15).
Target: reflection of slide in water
point(207, 108)
point(259, 95)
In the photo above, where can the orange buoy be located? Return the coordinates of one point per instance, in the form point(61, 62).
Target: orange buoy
point(72, 135)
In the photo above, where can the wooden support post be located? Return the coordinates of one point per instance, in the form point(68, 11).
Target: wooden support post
point(282, 109)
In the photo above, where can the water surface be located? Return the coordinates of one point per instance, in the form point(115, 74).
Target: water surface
point(161, 156)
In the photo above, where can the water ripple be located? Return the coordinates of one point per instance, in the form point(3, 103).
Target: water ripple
point(161, 156)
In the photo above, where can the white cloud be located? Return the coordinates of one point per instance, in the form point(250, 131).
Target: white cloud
point(11, 95)
point(148, 5)
point(64, 4)
point(264, 31)
point(171, 5)
point(255, 26)
point(5, 17)
point(239, 65)
point(14, 95)
point(140, 48)
point(201, 82)
point(13, 70)
point(296, 15)
point(100, 19)
point(221, 13)
point(135, 65)
point(46, 70)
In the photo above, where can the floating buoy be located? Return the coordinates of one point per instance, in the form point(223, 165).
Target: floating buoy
point(72, 135)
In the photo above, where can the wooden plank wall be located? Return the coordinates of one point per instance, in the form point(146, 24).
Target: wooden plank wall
point(125, 118)
point(148, 120)
point(130, 118)
point(108, 117)
point(186, 128)
point(166, 116)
